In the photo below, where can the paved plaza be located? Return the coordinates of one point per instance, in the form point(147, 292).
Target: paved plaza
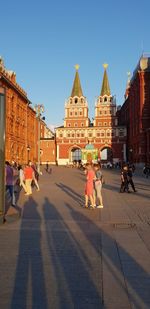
point(60, 255)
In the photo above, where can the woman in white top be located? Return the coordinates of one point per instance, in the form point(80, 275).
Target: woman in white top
point(21, 178)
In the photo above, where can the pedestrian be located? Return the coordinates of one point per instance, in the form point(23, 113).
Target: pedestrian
point(22, 178)
point(130, 180)
point(29, 176)
point(47, 167)
point(90, 175)
point(146, 170)
point(98, 185)
point(9, 174)
point(35, 175)
point(124, 180)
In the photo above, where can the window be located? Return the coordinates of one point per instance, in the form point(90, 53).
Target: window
point(90, 134)
point(100, 112)
point(99, 123)
point(82, 124)
point(60, 135)
point(69, 125)
point(78, 135)
point(105, 99)
point(105, 112)
point(82, 134)
point(80, 113)
point(72, 134)
point(76, 100)
point(102, 134)
point(108, 134)
point(76, 113)
point(75, 124)
point(98, 134)
point(68, 135)
point(121, 133)
point(70, 113)
point(105, 123)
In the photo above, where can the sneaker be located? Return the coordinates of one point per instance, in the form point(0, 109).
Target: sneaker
point(100, 206)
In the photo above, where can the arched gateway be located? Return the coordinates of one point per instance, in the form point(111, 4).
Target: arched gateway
point(106, 154)
point(75, 154)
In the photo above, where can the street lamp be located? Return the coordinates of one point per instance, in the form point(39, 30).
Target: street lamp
point(39, 109)
point(131, 154)
point(28, 150)
point(2, 148)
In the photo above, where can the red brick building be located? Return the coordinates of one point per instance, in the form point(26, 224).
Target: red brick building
point(20, 120)
point(135, 113)
point(22, 123)
point(79, 139)
point(47, 145)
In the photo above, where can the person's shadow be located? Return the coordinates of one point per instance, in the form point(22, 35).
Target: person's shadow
point(72, 268)
point(29, 265)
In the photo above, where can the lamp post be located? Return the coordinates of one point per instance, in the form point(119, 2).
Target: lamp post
point(2, 149)
point(39, 109)
point(131, 155)
point(28, 150)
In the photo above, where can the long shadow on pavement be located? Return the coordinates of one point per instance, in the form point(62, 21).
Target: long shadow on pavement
point(76, 196)
point(75, 285)
point(29, 265)
point(137, 278)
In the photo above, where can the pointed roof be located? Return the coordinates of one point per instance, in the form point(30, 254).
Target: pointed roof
point(105, 90)
point(76, 90)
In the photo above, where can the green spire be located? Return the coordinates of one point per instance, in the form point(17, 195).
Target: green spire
point(76, 90)
point(105, 90)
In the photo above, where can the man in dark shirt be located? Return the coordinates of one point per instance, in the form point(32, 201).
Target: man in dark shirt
point(130, 180)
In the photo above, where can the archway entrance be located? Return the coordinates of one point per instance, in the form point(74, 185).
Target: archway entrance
point(106, 155)
point(76, 154)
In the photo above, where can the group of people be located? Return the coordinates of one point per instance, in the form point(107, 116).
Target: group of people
point(24, 177)
point(126, 179)
point(93, 187)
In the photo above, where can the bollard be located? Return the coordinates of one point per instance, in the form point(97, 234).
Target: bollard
point(2, 149)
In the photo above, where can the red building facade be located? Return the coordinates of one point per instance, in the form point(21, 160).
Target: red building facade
point(21, 122)
point(79, 139)
point(135, 113)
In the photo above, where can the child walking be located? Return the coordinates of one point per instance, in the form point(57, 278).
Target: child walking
point(90, 175)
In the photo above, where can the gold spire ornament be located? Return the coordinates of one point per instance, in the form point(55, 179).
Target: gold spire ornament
point(77, 67)
point(105, 90)
point(105, 65)
point(77, 90)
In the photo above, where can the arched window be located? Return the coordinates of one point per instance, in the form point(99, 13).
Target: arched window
point(76, 100)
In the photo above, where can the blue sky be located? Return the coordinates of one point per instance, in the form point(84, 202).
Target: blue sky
point(42, 41)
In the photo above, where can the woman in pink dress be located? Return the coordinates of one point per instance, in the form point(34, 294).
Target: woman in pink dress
point(90, 175)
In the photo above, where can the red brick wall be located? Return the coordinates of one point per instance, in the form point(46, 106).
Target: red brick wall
point(48, 151)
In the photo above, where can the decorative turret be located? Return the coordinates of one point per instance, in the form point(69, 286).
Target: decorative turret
point(105, 90)
point(128, 85)
point(105, 105)
point(77, 90)
point(76, 107)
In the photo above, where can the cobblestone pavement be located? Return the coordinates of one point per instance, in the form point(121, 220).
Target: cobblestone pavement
point(60, 255)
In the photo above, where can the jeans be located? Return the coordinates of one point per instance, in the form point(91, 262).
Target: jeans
point(10, 188)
